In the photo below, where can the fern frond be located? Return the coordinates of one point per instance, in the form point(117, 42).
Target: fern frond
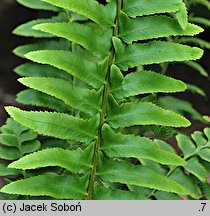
point(81, 76)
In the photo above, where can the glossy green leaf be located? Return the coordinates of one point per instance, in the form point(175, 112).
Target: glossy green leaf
point(144, 7)
point(75, 96)
point(37, 4)
point(187, 182)
point(9, 153)
point(123, 172)
point(76, 161)
point(155, 52)
point(72, 63)
point(196, 66)
point(205, 154)
point(200, 20)
point(185, 144)
point(21, 51)
point(59, 187)
point(102, 15)
point(196, 90)
point(99, 44)
point(27, 30)
point(39, 99)
point(54, 124)
point(180, 106)
point(5, 171)
point(130, 146)
point(182, 16)
point(9, 140)
point(37, 70)
point(101, 193)
point(143, 113)
point(30, 146)
point(146, 28)
point(144, 82)
point(196, 41)
point(161, 195)
point(197, 169)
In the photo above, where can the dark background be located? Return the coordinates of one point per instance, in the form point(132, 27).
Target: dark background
point(12, 14)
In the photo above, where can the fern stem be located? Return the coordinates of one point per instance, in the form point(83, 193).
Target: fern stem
point(98, 143)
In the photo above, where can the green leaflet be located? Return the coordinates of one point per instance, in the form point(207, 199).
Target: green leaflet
point(8, 153)
point(37, 70)
point(185, 144)
point(200, 20)
point(99, 45)
point(27, 30)
point(30, 146)
point(197, 169)
point(36, 98)
point(21, 51)
point(161, 195)
point(197, 41)
point(9, 140)
point(37, 4)
point(197, 67)
point(130, 146)
point(72, 63)
point(191, 152)
point(166, 146)
point(143, 113)
point(5, 171)
point(187, 182)
point(155, 52)
point(16, 141)
point(123, 172)
point(58, 125)
point(144, 7)
point(102, 193)
point(146, 28)
point(182, 16)
point(102, 15)
point(206, 190)
point(143, 82)
point(59, 187)
point(76, 161)
point(196, 90)
point(179, 106)
point(80, 98)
